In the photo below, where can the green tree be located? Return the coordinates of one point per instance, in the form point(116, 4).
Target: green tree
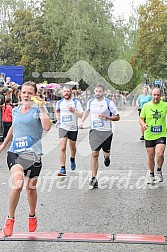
point(58, 34)
point(81, 30)
point(126, 34)
point(8, 7)
point(153, 37)
point(27, 43)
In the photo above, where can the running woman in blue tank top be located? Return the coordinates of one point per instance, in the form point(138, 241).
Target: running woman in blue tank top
point(24, 155)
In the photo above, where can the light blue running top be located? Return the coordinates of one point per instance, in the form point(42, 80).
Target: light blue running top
point(27, 126)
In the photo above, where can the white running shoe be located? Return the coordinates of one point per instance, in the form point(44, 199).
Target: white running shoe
point(151, 180)
point(159, 175)
point(94, 182)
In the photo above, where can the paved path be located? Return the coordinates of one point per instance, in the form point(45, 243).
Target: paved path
point(123, 204)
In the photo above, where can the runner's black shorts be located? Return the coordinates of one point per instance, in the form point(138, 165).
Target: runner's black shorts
point(100, 140)
point(72, 135)
point(31, 172)
point(153, 143)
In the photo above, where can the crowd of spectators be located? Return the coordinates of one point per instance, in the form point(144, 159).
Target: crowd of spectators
point(9, 89)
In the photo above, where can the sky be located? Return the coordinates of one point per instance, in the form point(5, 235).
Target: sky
point(124, 7)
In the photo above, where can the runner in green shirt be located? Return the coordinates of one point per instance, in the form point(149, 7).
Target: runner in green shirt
point(153, 121)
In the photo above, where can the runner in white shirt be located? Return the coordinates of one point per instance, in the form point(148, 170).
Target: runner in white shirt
point(68, 110)
point(103, 112)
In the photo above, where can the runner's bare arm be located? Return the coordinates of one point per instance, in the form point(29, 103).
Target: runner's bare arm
point(7, 139)
point(57, 113)
point(45, 120)
point(84, 116)
point(113, 117)
point(142, 123)
point(78, 113)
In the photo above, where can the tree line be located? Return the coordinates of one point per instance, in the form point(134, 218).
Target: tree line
point(51, 36)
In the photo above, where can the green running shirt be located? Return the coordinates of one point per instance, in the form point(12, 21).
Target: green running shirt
point(154, 116)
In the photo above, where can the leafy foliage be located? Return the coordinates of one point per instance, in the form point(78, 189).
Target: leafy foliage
point(54, 35)
point(153, 37)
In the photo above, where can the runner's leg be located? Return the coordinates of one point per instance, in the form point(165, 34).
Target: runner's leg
point(160, 149)
point(151, 157)
point(63, 144)
point(72, 145)
point(31, 194)
point(17, 185)
point(94, 163)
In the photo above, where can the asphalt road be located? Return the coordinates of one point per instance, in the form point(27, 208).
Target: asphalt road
point(123, 204)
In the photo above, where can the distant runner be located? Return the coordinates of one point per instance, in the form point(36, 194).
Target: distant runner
point(141, 100)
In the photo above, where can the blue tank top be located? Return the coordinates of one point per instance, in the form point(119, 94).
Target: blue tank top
point(27, 130)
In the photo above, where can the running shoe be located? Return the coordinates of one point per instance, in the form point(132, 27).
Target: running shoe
point(106, 161)
point(32, 224)
point(151, 179)
point(142, 138)
point(159, 175)
point(73, 165)
point(62, 172)
point(94, 182)
point(8, 227)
